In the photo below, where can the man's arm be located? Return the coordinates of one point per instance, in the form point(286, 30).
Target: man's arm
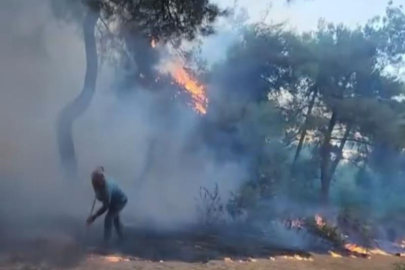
point(104, 208)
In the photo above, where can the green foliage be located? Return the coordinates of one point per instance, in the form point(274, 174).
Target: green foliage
point(158, 19)
point(256, 66)
point(268, 80)
point(388, 32)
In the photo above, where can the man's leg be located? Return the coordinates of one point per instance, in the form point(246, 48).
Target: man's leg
point(117, 221)
point(118, 227)
point(108, 223)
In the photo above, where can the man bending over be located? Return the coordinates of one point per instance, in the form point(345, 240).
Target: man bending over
point(113, 199)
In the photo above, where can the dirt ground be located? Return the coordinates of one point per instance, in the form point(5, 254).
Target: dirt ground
point(319, 262)
point(144, 251)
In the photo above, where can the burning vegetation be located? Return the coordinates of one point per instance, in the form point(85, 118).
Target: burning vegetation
point(195, 89)
point(339, 244)
point(184, 78)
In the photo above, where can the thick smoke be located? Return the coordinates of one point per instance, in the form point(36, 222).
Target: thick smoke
point(41, 65)
point(42, 69)
point(154, 148)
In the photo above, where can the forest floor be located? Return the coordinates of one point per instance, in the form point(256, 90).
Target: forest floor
point(318, 262)
point(151, 250)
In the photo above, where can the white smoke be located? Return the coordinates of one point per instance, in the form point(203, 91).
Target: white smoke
point(42, 68)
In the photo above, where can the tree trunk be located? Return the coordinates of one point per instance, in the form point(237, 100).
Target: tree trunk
point(304, 131)
point(79, 105)
point(325, 159)
point(340, 151)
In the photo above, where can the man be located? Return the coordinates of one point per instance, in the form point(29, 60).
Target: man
point(113, 199)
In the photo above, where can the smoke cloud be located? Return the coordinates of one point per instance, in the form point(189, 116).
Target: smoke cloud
point(42, 68)
point(153, 147)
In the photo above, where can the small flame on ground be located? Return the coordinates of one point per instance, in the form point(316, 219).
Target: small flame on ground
point(115, 259)
point(153, 43)
point(335, 255)
point(195, 89)
point(357, 249)
point(365, 251)
point(360, 250)
point(379, 252)
point(298, 258)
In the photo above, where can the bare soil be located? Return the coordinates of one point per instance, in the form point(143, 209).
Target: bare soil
point(175, 251)
point(319, 262)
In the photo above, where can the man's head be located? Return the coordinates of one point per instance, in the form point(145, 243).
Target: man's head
point(98, 178)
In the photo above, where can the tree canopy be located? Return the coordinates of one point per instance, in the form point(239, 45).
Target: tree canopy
point(334, 88)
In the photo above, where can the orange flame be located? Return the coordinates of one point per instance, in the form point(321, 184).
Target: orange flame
point(335, 255)
point(365, 251)
point(357, 249)
point(195, 89)
point(115, 259)
point(379, 252)
point(153, 43)
point(298, 258)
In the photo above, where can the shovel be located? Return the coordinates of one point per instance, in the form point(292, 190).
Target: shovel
point(86, 236)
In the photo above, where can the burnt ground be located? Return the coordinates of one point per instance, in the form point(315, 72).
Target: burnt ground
point(318, 262)
point(148, 249)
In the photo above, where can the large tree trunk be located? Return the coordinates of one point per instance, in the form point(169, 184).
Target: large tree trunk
point(325, 159)
point(304, 131)
point(339, 155)
point(79, 105)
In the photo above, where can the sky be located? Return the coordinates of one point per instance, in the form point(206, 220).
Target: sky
point(304, 14)
point(301, 15)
